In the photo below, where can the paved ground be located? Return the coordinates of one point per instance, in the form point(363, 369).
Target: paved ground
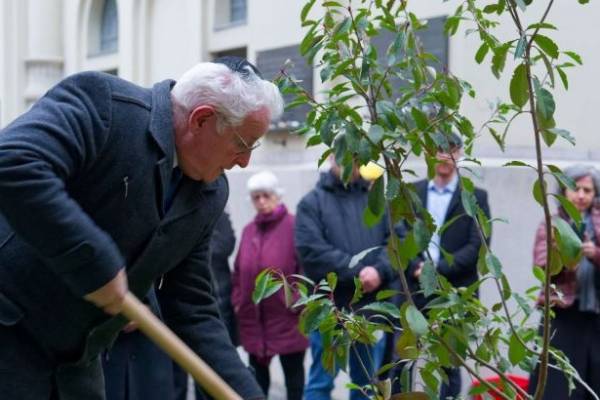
point(277, 390)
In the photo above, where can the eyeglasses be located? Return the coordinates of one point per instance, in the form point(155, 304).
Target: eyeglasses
point(243, 146)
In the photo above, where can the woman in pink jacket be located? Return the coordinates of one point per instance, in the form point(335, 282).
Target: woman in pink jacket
point(576, 327)
point(269, 328)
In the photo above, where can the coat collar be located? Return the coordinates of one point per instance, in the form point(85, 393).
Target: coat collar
point(161, 118)
point(421, 189)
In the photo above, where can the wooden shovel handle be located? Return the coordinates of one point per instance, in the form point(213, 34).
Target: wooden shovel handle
point(164, 338)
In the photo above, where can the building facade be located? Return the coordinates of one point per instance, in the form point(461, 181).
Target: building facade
point(145, 41)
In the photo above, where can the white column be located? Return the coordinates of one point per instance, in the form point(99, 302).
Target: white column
point(44, 62)
point(12, 40)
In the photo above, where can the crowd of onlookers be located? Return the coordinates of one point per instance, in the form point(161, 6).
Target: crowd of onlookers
point(323, 236)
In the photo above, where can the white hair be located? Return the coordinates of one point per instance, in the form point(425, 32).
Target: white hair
point(233, 95)
point(264, 181)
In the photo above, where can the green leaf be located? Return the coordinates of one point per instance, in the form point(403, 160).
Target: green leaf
point(549, 69)
point(520, 49)
point(342, 28)
point(563, 133)
point(358, 292)
point(313, 141)
point(264, 286)
point(537, 192)
point(493, 264)
point(564, 180)
point(416, 320)
point(313, 315)
point(306, 9)
point(420, 118)
point(332, 280)
point(376, 200)
point(549, 137)
point(499, 59)
point(516, 350)
point(521, 4)
point(574, 56)
point(383, 307)
point(287, 292)
point(386, 294)
point(516, 163)
point(545, 101)
point(469, 203)
point(539, 274)
point(359, 256)
point(406, 345)
point(569, 244)
point(481, 52)
point(428, 279)
point(376, 133)
point(519, 89)
point(563, 77)
point(547, 45)
point(542, 25)
point(569, 208)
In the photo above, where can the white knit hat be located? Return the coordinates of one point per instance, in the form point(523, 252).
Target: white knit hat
point(264, 181)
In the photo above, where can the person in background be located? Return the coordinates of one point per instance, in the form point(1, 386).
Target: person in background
point(329, 231)
point(442, 198)
point(269, 328)
point(222, 245)
point(575, 329)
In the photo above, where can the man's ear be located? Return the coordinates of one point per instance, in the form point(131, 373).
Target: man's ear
point(199, 116)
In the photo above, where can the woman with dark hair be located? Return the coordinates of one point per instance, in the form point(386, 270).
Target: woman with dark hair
point(576, 327)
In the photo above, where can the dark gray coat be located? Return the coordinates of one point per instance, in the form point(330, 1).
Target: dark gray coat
point(83, 176)
point(330, 230)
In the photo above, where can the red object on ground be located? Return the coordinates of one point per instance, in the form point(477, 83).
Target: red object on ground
point(495, 380)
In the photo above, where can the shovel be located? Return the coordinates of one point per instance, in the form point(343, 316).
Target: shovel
point(164, 338)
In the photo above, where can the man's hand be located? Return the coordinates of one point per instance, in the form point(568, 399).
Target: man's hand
point(110, 297)
point(589, 249)
point(369, 277)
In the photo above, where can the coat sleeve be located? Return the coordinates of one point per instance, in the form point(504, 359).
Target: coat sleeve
point(383, 264)
point(465, 258)
point(190, 309)
point(317, 255)
point(223, 239)
point(41, 153)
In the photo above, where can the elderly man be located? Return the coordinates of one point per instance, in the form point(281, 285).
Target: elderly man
point(91, 206)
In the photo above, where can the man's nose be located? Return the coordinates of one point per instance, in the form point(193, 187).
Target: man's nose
point(243, 160)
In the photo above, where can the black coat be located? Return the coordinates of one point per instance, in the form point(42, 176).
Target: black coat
point(83, 176)
point(461, 239)
point(221, 247)
point(330, 230)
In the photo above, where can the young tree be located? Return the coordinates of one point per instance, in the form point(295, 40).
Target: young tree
point(388, 105)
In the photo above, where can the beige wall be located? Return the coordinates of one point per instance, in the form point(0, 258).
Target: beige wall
point(161, 38)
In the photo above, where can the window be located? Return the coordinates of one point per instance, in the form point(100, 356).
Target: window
point(238, 10)
point(239, 52)
point(109, 28)
point(269, 62)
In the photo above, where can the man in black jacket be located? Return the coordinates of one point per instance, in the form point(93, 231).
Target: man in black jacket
point(91, 206)
point(442, 198)
point(329, 231)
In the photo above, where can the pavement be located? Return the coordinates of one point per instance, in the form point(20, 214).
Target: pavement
point(277, 389)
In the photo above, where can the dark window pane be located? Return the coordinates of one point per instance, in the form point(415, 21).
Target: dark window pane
point(433, 40)
point(238, 10)
point(270, 62)
point(109, 30)
point(239, 52)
